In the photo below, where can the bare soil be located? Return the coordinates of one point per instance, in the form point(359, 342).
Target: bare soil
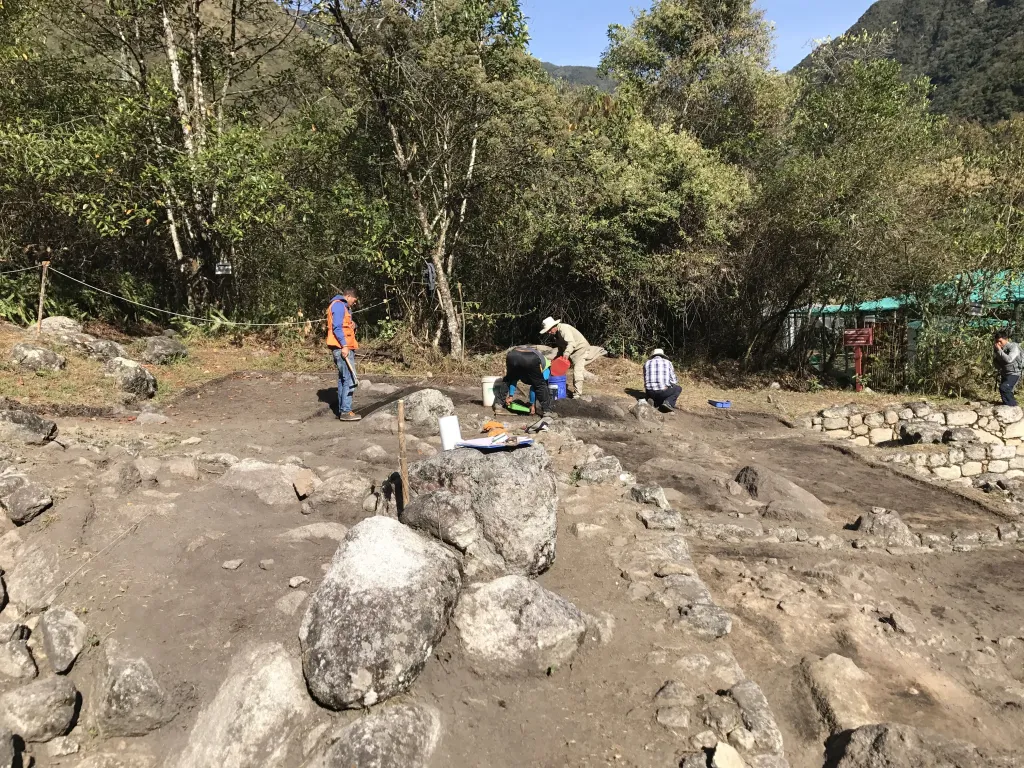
point(148, 572)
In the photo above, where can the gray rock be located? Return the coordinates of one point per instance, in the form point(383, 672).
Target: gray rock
point(9, 757)
point(62, 746)
point(660, 519)
point(648, 417)
point(345, 489)
point(130, 700)
point(888, 745)
point(35, 358)
point(272, 484)
point(960, 436)
point(921, 433)
point(498, 509)
point(27, 503)
point(152, 418)
point(513, 626)
point(59, 325)
point(40, 711)
point(602, 471)
point(118, 760)
point(122, 478)
point(64, 637)
point(131, 377)
point(427, 406)
point(837, 687)
point(25, 427)
point(757, 716)
point(767, 486)
point(886, 525)
point(398, 736)
point(1006, 414)
point(102, 349)
point(705, 620)
point(375, 454)
point(726, 756)
point(16, 660)
point(259, 708)
point(315, 532)
point(163, 349)
point(378, 615)
point(649, 494)
point(35, 573)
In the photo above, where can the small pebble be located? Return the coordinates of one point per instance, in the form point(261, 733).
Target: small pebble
point(266, 565)
point(297, 581)
point(232, 565)
point(192, 441)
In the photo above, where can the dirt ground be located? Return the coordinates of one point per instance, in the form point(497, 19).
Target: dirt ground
point(145, 569)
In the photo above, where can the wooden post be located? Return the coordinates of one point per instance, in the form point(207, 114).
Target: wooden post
point(403, 464)
point(42, 297)
point(462, 309)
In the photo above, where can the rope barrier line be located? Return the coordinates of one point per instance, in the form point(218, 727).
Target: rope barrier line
point(15, 271)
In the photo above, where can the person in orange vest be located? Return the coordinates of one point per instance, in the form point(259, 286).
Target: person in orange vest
point(341, 338)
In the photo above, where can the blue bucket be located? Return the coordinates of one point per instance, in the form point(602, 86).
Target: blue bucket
point(563, 389)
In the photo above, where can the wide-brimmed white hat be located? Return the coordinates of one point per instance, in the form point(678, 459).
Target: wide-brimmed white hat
point(659, 353)
point(548, 324)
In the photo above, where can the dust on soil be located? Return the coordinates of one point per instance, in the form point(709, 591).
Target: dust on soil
point(162, 591)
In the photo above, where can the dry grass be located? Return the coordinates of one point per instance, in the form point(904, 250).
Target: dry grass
point(82, 383)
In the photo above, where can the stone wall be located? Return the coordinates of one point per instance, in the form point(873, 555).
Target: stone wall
point(975, 444)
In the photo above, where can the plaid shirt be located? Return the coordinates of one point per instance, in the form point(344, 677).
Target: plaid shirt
point(659, 374)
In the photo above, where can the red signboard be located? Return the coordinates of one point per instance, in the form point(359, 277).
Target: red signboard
point(859, 337)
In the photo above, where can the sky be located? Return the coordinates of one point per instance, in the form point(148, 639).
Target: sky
point(576, 31)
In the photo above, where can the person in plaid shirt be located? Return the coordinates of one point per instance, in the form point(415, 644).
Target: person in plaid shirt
point(660, 382)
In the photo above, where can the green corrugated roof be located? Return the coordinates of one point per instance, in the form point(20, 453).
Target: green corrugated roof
point(1002, 289)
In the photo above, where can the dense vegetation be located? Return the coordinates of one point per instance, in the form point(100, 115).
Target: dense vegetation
point(414, 149)
point(971, 50)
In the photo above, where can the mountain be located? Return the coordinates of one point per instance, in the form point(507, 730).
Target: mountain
point(580, 76)
point(972, 50)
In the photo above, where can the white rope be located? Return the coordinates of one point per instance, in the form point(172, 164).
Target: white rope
point(15, 271)
point(188, 317)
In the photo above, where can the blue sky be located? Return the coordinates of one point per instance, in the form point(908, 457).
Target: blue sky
point(576, 31)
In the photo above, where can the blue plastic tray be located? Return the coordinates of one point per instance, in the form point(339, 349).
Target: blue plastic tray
point(720, 403)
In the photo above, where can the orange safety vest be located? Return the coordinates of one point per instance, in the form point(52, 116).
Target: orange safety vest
point(348, 326)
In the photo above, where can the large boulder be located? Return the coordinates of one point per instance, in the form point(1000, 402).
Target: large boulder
point(131, 377)
point(375, 620)
point(40, 711)
point(347, 488)
point(770, 487)
point(64, 637)
point(513, 626)
point(58, 326)
point(498, 509)
point(27, 503)
point(161, 350)
point(837, 686)
point(35, 358)
point(273, 484)
point(399, 736)
point(886, 525)
point(31, 582)
point(102, 349)
point(130, 700)
point(603, 470)
point(889, 745)
point(25, 427)
point(16, 661)
point(427, 406)
point(257, 710)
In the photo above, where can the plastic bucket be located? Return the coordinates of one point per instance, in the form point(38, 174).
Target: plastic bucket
point(558, 387)
point(451, 434)
point(487, 389)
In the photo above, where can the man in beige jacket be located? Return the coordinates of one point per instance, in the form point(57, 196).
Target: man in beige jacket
point(572, 344)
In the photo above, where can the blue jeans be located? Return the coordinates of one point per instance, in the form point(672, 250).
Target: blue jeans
point(346, 381)
point(1006, 387)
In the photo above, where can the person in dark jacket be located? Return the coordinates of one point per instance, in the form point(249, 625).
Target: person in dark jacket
point(527, 365)
point(1009, 364)
point(341, 340)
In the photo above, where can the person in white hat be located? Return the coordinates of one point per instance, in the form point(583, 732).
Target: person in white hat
point(660, 382)
point(573, 345)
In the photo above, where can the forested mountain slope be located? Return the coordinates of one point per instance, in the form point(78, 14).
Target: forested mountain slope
point(581, 76)
point(973, 51)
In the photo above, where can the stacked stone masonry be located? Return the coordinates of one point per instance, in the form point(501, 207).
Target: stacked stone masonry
point(975, 444)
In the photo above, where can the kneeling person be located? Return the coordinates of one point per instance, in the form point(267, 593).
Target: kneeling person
point(660, 381)
point(525, 365)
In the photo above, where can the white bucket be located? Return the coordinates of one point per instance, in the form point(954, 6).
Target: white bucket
point(487, 389)
point(451, 433)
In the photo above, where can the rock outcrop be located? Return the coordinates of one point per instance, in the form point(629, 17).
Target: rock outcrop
point(24, 427)
point(131, 377)
point(33, 357)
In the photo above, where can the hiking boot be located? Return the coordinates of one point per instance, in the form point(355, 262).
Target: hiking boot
point(666, 408)
point(350, 416)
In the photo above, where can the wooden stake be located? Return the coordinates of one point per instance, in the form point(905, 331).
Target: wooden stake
point(403, 464)
point(42, 297)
